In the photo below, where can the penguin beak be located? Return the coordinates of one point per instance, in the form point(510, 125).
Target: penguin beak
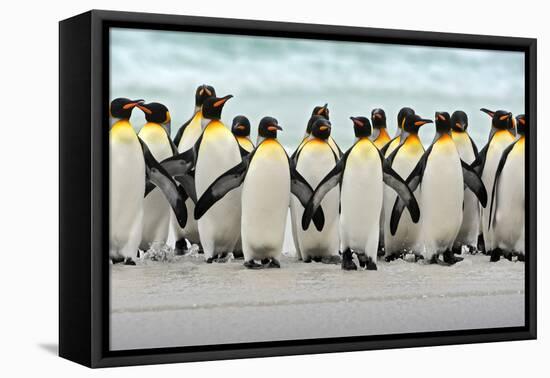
point(378, 116)
point(487, 111)
point(132, 104)
point(460, 125)
point(145, 109)
point(324, 128)
point(422, 122)
point(274, 128)
point(222, 101)
point(240, 127)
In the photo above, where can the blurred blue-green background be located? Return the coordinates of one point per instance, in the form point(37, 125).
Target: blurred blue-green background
point(286, 78)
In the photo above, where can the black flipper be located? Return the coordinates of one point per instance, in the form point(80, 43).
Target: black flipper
point(242, 151)
point(179, 134)
point(479, 163)
point(474, 147)
point(181, 163)
point(396, 182)
point(500, 167)
point(413, 181)
point(187, 181)
point(173, 146)
point(333, 178)
point(474, 183)
point(149, 186)
point(156, 174)
point(228, 181)
point(387, 145)
point(303, 191)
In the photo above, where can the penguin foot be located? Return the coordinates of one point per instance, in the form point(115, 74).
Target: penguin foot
point(222, 257)
point(317, 258)
point(435, 260)
point(251, 264)
point(336, 259)
point(265, 261)
point(393, 256)
point(347, 260)
point(521, 257)
point(481, 244)
point(238, 255)
point(307, 260)
point(201, 250)
point(117, 260)
point(450, 258)
point(129, 261)
point(362, 260)
point(457, 250)
point(181, 247)
point(495, 255)
point(210, 260)
point(371, 265)
point(418, 257)
point(274, 263)
point(508, 255)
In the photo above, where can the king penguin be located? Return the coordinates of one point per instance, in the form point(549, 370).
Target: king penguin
point(441, 176)
point(185, 139)
point(403, 159)
point(379, 136)
point(361, 173)
point(314, 161)
point(396, 140)
point(507, 210)
point(468, 235)
point(217, 151)
point(268, 177)
point(486, 165)
point(240, 127)
point(131, 166)
point(294, 221)
point(156, 210)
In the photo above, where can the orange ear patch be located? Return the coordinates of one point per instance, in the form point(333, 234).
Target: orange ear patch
point(357, 122)
point(522, 121)
point(504, 117)
point(208, 92)
point(130, 105)
point(272, 128)
point(441, 117)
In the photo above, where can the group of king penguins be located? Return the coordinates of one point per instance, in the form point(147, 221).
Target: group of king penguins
point(217, 189)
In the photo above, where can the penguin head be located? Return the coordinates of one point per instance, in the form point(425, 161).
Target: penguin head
point(156, 112)
point(268, 127)
point(311, 121)
point(413, 122)
point(202, 93)
point(442, 122)
point(378, 117)
point(501, 119)
point(459, 121)
point(121, 107)
point(402, 115)
point(321, 128)
point(321, 111)
point(361, 126)
point(521, 124)
point(240, 126)
point(212, 107)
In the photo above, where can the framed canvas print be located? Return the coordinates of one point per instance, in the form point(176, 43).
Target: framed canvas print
point(234, 188)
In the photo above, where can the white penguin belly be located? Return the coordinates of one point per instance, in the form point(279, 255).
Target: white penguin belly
point(156, 210)
point(315, 162)
point(406, 236)
point(442, 194)
point(265, 200)
point(219, 228)
point(469, 230)
point(509, 222)
point(126, 189)
point(500, 141)
point(191, 230)
point(361, 200)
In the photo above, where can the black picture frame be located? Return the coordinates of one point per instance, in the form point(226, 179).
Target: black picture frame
point(83, 193)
